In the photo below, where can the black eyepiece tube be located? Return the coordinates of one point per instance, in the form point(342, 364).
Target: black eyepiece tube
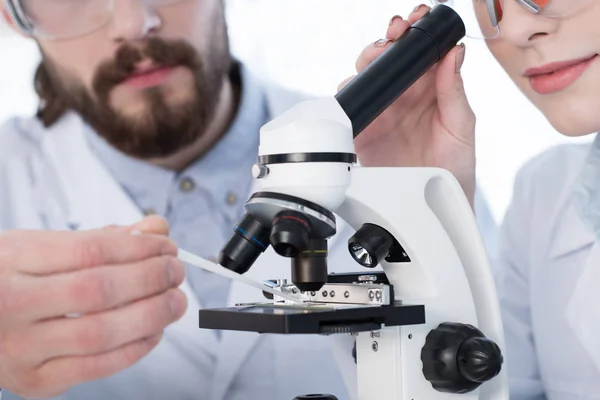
point(400, 66)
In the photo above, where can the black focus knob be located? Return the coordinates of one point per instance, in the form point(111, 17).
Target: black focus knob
point(316, 397)
point(479, 359)
point(458, 358)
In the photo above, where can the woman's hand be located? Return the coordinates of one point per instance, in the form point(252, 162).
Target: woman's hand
point(430, 125)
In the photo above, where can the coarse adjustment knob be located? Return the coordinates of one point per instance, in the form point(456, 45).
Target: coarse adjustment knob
point(458, 358)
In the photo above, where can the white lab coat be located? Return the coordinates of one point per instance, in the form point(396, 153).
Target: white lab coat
point(49, 179)
point(549, 284)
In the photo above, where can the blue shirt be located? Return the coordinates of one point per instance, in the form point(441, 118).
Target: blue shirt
point(203, 202)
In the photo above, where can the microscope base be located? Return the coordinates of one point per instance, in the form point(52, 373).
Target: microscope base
point(324, 319)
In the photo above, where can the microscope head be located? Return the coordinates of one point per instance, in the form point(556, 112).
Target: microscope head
point(303, 171)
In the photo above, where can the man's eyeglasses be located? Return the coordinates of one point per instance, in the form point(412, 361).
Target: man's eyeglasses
point(66, 19)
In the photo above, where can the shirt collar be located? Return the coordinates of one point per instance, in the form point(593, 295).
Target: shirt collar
point(586, 191)
point(224, 172)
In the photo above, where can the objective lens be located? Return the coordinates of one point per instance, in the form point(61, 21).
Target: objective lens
point(309, 268)
point(289, 233)
point(249, 240)
point(370, 245)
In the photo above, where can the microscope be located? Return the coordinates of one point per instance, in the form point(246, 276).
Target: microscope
point(433, 307)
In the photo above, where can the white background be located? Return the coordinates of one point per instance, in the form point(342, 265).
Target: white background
point(311, 45)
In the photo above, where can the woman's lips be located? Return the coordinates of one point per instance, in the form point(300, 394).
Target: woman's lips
point(558, 76)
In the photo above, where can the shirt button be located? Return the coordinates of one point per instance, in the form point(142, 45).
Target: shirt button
point(231, 198)
point(187, 185)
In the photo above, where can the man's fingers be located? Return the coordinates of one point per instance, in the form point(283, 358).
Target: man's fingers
point(48, 252)
point(115, 228)
point(106, 331)
point(96, 289)
point(152, 225)
point(70, 371)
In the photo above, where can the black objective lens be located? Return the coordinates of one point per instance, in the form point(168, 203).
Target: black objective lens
point(289, 233)
point(370, 245)
point(309, 268)
point(249, 240)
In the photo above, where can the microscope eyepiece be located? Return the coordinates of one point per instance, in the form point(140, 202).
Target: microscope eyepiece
point(400, 66)
point(250, 238)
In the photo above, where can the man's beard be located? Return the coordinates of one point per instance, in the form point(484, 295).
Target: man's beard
point(162, 129)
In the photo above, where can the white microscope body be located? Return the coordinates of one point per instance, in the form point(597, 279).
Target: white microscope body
point(433, 331)
point(426, 210)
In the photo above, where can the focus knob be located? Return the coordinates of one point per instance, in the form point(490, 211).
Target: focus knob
point(479, 359)
point(458, 358)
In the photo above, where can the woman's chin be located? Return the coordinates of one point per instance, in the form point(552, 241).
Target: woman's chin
point(573, 128)
point(572, 120)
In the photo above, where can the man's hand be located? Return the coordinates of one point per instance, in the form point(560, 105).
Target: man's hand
point(80, 306)
point(430, 125)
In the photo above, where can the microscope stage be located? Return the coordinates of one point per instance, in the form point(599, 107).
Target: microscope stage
point(310, 318)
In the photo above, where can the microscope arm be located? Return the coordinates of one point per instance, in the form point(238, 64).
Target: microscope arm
point(428, 213)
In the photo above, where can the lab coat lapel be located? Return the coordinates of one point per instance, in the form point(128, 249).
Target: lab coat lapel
point(94, 199)
point(583, 309)
point(582, 312)
point(571, 234)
